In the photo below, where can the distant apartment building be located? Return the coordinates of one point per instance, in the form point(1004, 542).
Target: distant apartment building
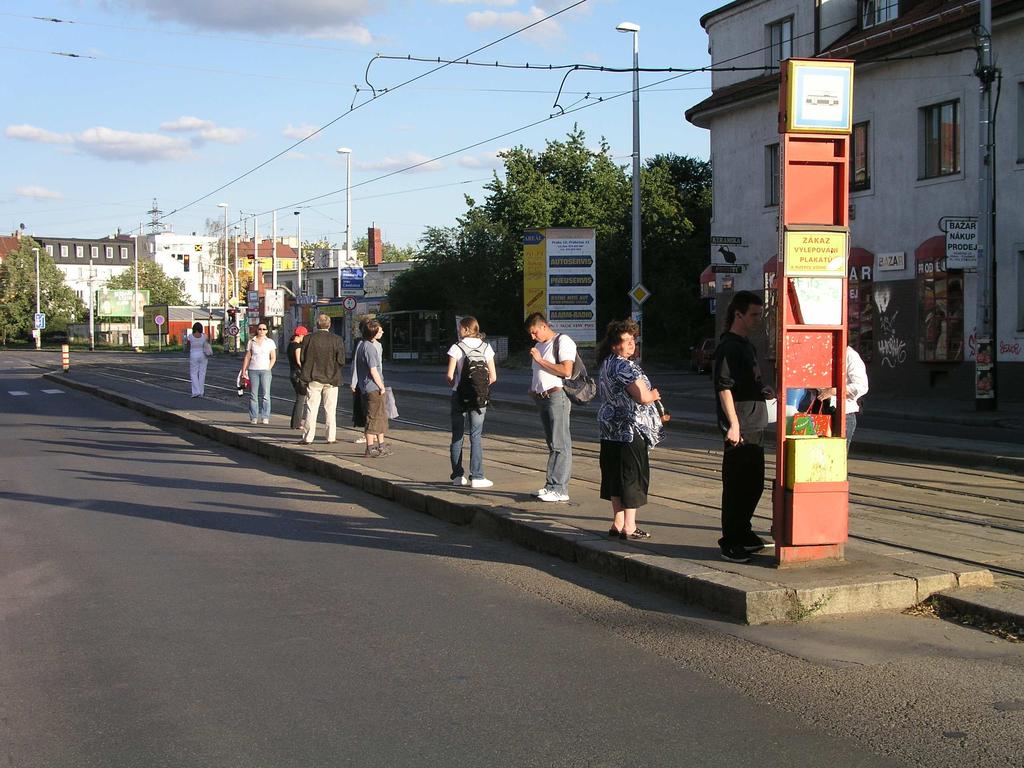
point(913, 172)
point(195, 259)
point(89, 262)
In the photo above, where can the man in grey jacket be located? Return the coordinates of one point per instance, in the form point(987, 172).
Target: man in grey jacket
point(323, 357)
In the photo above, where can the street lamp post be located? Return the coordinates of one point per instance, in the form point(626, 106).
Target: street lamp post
point(38, 333)
point(634, 29)
point(224, 297)
point(298, 263)
point(348, 210)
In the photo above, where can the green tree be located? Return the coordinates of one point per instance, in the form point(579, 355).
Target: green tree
point(18, 293)
point(392, 252)
point(476, 265)
point(162, 289)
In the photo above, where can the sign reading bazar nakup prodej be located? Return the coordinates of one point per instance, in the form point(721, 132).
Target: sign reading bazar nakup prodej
point(816, 254)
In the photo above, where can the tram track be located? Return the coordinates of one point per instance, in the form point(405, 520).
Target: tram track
point(866, 504)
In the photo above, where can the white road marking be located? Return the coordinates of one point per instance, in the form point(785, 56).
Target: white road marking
point(53, 391)
point(16, 392)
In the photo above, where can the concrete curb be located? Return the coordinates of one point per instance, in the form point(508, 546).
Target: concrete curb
point(990, 604)
point(737, 596)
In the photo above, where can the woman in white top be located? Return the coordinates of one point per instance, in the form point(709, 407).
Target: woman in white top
point(198, 349)
point(470, 375)
point(260, 356)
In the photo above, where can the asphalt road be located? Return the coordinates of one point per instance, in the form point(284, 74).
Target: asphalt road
point(165, 601)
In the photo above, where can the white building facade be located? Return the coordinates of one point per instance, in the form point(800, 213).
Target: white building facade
point(914, 172)
point(195, 259)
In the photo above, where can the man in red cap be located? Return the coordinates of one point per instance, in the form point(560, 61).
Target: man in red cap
point(295, 375)
point(322, 356)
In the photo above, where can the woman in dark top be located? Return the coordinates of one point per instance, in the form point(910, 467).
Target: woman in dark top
point(630, 425)
point(294, 371)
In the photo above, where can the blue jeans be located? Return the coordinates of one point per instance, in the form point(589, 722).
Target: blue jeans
point(259, 394)
point(554, 415)
point(476, 450)
point(851, 427)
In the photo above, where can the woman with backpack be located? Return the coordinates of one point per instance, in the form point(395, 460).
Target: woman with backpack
point(630, 426)
point(470, 375)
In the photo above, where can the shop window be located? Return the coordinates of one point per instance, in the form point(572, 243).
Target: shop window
point(873, 12)
point(860, 173)
point(771, 175)
point(771, 308)
point(779, 42)
point(940, 295)
point(940, 140)
point(860, 309)
point(1020, 122)
point(1020, 291)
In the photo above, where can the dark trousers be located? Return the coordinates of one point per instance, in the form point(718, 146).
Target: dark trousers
point(299, 409)
point(742, 486)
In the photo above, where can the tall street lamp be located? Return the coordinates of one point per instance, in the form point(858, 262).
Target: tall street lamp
point(38, 333)
point(298, 235)
point(224, 296)
point(348, 210)
point(634, 29)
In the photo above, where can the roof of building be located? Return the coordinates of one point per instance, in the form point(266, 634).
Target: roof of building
point(8, 244)
point(923, 23)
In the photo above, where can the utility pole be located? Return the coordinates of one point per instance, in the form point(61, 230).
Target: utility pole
point(273, 251)
point(985, 395)
point(36, 331)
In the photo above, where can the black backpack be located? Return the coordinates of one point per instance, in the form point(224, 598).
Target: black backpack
point(580, 388)
point(474, 388)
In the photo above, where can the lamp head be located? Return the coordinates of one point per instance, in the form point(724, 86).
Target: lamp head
point(344, 151)
point(222, 205)
point(628, 26)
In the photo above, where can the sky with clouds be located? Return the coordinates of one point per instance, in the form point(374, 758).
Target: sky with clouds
point(124, 101)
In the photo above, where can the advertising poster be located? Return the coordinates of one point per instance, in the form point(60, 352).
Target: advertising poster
point(572, 283)
point(535, 268)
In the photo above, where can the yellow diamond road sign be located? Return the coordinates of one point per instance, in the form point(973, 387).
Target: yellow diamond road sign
point(639, 293)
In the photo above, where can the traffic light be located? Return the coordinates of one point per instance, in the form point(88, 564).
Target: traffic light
point(184, 261)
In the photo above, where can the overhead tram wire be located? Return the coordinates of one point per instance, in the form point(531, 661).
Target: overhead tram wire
point(376, 96)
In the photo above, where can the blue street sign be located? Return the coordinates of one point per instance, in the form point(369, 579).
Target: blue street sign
point(40, 321)
point(352, 279)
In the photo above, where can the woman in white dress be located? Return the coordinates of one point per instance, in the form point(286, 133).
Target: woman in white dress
point(198, 349)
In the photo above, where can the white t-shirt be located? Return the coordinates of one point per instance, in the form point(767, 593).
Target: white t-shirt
point(542, 380)
point(196, 347)
point(260, 359)
point(471, 342)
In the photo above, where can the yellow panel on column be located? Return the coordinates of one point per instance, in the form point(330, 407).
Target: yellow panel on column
point(815, 460)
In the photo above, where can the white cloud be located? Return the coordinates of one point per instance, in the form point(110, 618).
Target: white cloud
point(112, 144)
point(38, 193)
point(549, 30)
point(203, 130)
point(483, 160)
point(300, 131)
point(322, 18)
point(352, 32)
point(32, 133)
point(492, 3)
point(402, 161)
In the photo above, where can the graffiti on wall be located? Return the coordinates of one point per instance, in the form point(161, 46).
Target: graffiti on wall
point(892, 348)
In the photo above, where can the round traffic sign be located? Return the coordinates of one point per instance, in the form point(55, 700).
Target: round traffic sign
point(158, 319)
point(232, 330)
point(349, 303)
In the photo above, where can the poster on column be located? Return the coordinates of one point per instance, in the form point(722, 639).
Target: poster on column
point(572, 283)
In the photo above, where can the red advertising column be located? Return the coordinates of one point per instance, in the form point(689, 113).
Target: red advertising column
point(810, 493)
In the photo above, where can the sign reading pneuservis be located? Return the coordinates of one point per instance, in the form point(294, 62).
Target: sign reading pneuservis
point(560, 280)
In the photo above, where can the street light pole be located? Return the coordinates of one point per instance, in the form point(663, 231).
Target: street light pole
point(224, 297)
point(637, 273)
point(38, 332)
point(298, 236)
point(348, 210)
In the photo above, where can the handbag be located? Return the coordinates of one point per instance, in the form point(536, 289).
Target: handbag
point(207, 349)
point(389, 403)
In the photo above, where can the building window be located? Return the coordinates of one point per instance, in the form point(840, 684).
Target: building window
point(109, 251)
point(1020, 122)
point(940, 139)
point(49, 251)
point(779, 42)
point(79, 251)
point(771, 175)
point(874, 12)
point(860, 172)
point(64, 251)
point(94, 251)
point(124, 253)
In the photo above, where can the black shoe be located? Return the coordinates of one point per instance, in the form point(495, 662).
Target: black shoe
point(735, 554)
point(754, 543)
point(614, 532)
point(637, 534)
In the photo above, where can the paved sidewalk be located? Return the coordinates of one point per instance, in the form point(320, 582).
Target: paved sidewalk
point(682, 559)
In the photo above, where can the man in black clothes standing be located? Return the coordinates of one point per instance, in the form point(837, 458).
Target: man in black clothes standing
point(323, 357)
point(742, 417)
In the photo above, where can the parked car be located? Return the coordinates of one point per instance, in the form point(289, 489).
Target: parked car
point(702, 355)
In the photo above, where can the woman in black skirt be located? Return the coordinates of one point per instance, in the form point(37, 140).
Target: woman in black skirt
point(630, 426)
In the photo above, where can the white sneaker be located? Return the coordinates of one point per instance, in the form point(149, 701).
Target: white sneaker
point(480, 482)
point(266, 421)
point(360, 439)
point(541, 491)
point(554, 496)
point(460, 481)
point(254, 421)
